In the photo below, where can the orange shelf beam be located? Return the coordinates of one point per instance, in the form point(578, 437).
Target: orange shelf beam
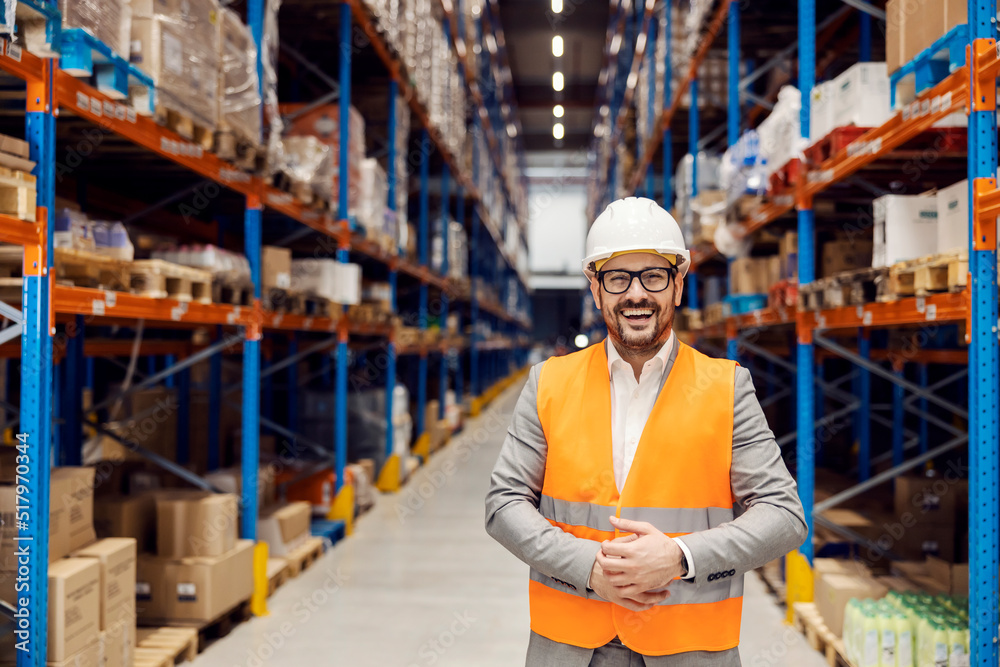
point(19, 232)
point(913, 311)
point(105, 303)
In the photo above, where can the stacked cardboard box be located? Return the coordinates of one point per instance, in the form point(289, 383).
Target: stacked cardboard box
point(926, 508)
point(913, 25)
point(284, 527)
point(116, 558)
point(836, 582)
point(276, 268)
point(176, 42)
point(754, 275)
point(844, 255)
point(905, 228)
point(200, 570)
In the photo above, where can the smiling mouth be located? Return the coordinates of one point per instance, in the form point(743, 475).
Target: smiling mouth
point(637, 315)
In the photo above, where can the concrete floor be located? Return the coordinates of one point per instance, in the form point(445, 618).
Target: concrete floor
point(420, 583)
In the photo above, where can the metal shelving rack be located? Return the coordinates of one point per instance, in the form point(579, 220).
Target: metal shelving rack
point(44, 303)
point(972, 89)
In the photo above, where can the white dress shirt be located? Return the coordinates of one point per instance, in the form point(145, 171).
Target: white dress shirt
point(631, 404)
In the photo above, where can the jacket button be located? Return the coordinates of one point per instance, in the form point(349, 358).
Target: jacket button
point(711, 577)
point(732, 572)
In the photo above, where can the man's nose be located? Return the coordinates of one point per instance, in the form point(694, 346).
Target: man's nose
point(636, 291)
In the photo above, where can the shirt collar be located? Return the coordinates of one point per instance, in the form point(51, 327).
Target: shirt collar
point(662, 354)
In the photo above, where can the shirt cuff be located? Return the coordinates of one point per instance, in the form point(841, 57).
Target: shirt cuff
point(687, 557)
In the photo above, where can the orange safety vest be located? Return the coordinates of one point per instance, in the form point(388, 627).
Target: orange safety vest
point(679, 482)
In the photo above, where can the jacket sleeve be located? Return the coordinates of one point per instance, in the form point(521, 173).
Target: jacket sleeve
point(769, 518)
point(512, 517)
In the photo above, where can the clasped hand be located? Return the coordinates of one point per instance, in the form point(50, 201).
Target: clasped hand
point(630, 570)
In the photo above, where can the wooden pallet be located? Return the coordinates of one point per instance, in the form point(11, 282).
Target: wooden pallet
point(807, 620)
point(159, 279)
point(90, 269)
point(367, 313)
point(304, 555)
point(928, 275)
point(232, 145)
point(232, 292)
point(278, 573)
point(186, 126)
point(208, 632)
point(177, 645)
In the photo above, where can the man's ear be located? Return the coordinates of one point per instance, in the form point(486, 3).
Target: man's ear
point(595, 290)
point(678, 290)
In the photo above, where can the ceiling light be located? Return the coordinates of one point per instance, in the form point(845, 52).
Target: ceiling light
point(557, 81)
point(491, 43)
point(557, 6)
point(557, 46)
point(511, 130)
point(558, 111)
point(616, 43)
point(581, 341)
point(558, 131)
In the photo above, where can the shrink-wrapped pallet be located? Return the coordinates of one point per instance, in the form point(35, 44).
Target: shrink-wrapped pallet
point(177, 43)
point(239, 87)
point(108, 20)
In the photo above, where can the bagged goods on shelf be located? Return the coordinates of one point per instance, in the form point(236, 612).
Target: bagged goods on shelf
point(339, 282)
point(73, 229)
point(219, 262)
point(905, 228)
point(196, 590)
point(111, 239)
point(323, 123)
point(239, 87)
point(110, 21)
point(195, 523)
point(276, 267)
point(861, 96)
point(779, 135)
point(953, 218)
point(386, 13)
point(377, 293)
point(742, 170)
point(373, 193)
point(177, 43)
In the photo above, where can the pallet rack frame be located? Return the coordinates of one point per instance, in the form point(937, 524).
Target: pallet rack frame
point(972, 88)
point(48, 88)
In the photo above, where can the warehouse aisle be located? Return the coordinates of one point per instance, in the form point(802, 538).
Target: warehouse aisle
point(421, 583)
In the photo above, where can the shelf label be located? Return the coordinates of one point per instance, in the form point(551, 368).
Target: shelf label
point(177, 312)
point(308, 324)
point(109, 109)
point(82, 101)
point(784, 200)
point(97, 307)
point(860, 311)
point(925, 107)
point(130, 114)
point(865, 147)
point(936, 104)
point(234, 176)
point(867, 319)
point(931, 312)
point(920, 304)
point(277, 319)
point(821, 176)
point(310, 215)
point(111, 298)
point(96, 107)
point(13, 50)
point(281, 199)
point(120, 112)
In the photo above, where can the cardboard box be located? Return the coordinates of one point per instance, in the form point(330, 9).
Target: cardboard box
point(71, 511)
point(74, 606)
point(316, 489)
point(921, 25)
point(276, 267)
point(953, 217)
point(953, 578)
point(194, 589)
point(928, 499)
point(119, 642)
point(93, 655)
point(956, 12)
point(116, 556)
point(893, 35)
point(838, 256)
point(832, 591)
point(840, 566)
point(822, 114)
point(861, 96)
point(741, 276)
point(127, 516)
point(905, 228)
point(788, 251)
point(284, 527)
point(230, 480)
point(195, 524)
point(923, 539)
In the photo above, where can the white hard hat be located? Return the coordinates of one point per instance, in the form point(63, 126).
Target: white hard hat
point(635, 224)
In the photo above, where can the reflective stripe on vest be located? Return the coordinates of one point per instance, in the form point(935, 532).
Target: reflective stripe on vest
point(678, 482)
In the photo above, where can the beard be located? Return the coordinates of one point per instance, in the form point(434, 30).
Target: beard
point(638, 343)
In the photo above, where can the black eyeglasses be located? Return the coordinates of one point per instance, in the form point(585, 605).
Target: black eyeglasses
point(617, 281)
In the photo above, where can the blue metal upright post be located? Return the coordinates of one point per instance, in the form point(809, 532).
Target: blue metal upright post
point(72, 393)
point(215, 405)
point(647, 132)
point(733, 44)
point(292, 377)
point(250, 452)
point(864, 410)
point(183, 416)
point(923, 425)
point(36, 383)
point(474, 259)
point(818, 414)
point(897, 417)
point(445, 223)
point(340, 388)
point(865, 37)
point(459, 379)
point(423, 241)
point(668, 139)
point(804, 375)
point(390, 364)
point(694, 134)
point(984, 495)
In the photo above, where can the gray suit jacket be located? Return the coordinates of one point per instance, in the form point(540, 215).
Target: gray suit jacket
point(769, 519)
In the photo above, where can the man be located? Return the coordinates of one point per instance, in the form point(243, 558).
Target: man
point(639, 479)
